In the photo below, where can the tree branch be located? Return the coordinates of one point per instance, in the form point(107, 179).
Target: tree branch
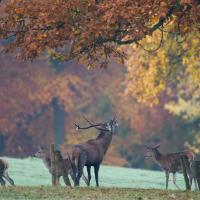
point(152, 29)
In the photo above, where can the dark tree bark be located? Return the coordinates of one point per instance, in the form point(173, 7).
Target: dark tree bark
point(59, 123)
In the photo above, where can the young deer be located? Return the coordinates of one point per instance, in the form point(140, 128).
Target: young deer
point(42, 154)
point(92, 152)
point(4, 173)
point(171, 163)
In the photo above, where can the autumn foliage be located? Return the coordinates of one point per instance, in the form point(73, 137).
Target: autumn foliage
point(170, 70)
point(26, 91)
point(157, 41)
point(90, 30)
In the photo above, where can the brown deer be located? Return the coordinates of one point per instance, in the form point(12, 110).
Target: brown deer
point(42, 154)
point(92, 152)
point(171, 163)
point(4, 173)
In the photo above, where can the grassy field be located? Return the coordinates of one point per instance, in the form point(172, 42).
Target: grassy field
point(54, 193)
point(33, 182)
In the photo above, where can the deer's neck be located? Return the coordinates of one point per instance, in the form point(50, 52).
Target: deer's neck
point(157, 155)
point(105, 139)
point(47, 162)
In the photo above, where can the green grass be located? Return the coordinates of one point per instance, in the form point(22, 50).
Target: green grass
point(33, 182)
point(58, 193)
point(32, 172)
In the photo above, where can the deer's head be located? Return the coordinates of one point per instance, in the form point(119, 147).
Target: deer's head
point(151, 151)
point(41, 152)
point(112, 125)
point(106, 127)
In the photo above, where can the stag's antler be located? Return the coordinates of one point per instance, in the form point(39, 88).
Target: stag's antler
point(87, 127)
point(91, 126)
point(153, 147)
point(157, 146)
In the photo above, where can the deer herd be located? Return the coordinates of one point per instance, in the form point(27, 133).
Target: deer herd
point(91, 153)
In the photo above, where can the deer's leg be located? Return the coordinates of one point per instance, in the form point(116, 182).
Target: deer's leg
point(195, 183)
point(85, 179)
point(81, 164)
point(192, 175)
point(167, 178)
point(96, 172)
point(73, 173)
point(58, 180)
point(67, 181)
point(189, 171)
point(174, 180)
point(7, 177)
point(190, 178)
point(89, 174)
point(2, 182)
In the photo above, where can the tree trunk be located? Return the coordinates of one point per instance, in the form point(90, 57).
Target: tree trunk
point(59, 123)
point(53, 166)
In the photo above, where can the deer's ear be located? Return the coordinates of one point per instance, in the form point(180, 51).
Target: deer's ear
point(40, 148)
point(157, 146)
point(114, 119)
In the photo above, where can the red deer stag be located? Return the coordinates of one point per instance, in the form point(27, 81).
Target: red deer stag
point(92, 152)
point(42, 154)
point(4, 173)
point(171, 163)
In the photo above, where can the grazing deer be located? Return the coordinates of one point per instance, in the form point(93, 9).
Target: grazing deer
point(171, 163)
point(42, 154)
point(92, 152)
point(4, 173)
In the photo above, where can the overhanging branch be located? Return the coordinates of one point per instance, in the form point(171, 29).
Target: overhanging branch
point(118, 36)
point(152, 29)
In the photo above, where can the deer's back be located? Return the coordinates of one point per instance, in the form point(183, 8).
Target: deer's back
point(172, 163)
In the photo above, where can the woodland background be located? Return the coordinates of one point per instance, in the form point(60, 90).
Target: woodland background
point(153, 94)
